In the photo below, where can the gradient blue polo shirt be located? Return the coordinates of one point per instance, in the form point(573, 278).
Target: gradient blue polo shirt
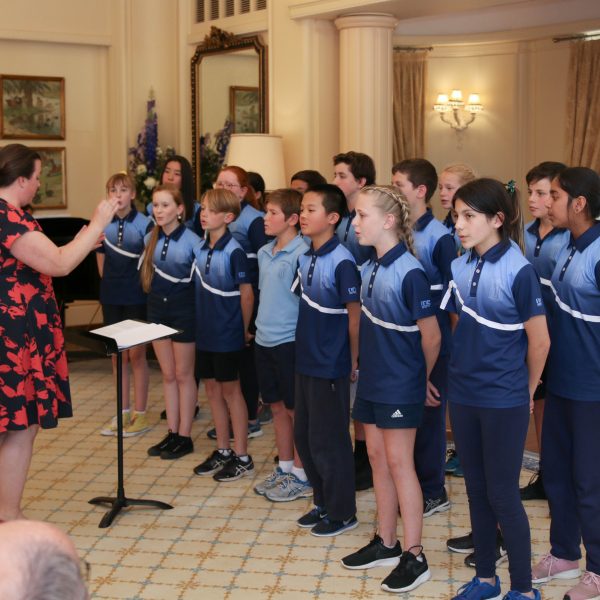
point(346, 234)
point(174, 261)
point(449, 224)
point(542, 254)
point(327, 279)
point(218, 274)
point(494, 295)
point(574, 360)
point(394, 295)
point(249, 231)
point(122, 247)
point(435, 249)
point(278, 309)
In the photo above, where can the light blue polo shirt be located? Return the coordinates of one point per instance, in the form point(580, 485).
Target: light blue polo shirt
point(542, 254)
point(122, 247)
point(574, 360)
point(218, 273)
point(435, 250)
point(494, 295)
point(394, 294)
point(327, 279)
point(174, 261)
point(278, 309)
point(346, 234)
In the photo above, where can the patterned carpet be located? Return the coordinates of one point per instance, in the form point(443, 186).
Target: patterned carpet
point(220, 541)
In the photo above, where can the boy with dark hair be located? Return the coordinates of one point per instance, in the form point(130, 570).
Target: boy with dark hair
point(543, 244)
point(328, 284)
point(417, 179)
point(352, 172)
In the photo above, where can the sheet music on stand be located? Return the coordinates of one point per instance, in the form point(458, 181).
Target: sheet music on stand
point(129, 333)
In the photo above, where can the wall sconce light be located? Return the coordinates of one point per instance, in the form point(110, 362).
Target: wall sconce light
point(455, 104)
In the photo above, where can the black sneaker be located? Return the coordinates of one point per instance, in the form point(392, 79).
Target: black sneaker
point(163, 414)
point(327, 527)
point(534, 490)
point(461, 545)
point(374, 554)
point(435, 505)
point(215, 462)
point(169, 440)
point(179, 448)
point(311, 518)
point(410, 573)
point(235, 469)
point(501, 555)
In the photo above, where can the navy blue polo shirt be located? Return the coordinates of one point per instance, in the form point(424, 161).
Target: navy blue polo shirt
point(449, 224)
point(347, 235)
point(394, 294)
point(122, 247)
point(435, 249)
point(574, 362)
point(494, 295)
point(327, 279)
point(219, 272)
point(249, 231)
point(278, 309)
point(173, 261)
point(542, 254)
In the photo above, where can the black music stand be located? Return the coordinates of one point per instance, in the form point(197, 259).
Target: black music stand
point(116, 343)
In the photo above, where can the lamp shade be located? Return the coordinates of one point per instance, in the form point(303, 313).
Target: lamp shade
point(261, 153)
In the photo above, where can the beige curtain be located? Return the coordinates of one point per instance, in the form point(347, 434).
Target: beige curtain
point(410, 70)
point(583, 105)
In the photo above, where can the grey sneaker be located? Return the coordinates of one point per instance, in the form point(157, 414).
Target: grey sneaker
point(270, 482)
point(289, 488)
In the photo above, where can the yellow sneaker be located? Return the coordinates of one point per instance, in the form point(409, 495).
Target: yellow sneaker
point(111, 428)
point(138, 425)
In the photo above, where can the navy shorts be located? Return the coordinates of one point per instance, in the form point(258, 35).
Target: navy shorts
point(275, 369)
point(388, 416)
point(115, 313)
point(221, 366)
point(177, 311)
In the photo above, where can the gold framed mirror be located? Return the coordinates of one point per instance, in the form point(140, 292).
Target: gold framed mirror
point(229, 95)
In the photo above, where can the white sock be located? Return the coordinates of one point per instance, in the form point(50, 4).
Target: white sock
point(224, 451)
point(140, 412)
point(244, 457)
point(299, 473)
point(286, 465)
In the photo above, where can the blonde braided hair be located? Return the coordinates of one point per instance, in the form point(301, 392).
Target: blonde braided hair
point(392, 201)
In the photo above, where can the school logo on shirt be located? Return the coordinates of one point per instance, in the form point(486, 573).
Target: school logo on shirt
point(352, 290)
point(242, 274)
point(538, 301)
point(425, 304)
point(396, 414)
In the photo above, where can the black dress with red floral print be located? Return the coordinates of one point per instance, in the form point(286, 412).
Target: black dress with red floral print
point(34, 381)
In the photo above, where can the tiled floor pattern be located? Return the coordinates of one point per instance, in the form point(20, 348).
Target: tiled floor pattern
point(220, 540)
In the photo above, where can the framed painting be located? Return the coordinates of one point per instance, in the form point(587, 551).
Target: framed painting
point(32, 107)
point(53, 179)
point(244, 107)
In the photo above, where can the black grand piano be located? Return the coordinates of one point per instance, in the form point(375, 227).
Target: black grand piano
point(83, 283)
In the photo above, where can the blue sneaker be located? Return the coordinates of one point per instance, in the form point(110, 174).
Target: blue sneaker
point(451, 461)
point(513, 595)
point(478, 590)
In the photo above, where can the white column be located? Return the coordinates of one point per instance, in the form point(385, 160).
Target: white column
point(366, 87)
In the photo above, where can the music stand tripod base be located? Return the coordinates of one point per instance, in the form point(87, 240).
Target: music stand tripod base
point(121, 501)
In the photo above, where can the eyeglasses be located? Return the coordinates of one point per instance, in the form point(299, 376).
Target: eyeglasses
point(227, 186)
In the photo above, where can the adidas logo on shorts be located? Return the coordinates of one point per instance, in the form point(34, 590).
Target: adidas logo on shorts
point(396, 414)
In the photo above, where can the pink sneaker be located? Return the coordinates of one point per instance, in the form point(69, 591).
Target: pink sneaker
point(587, 589)
point(551, 567)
